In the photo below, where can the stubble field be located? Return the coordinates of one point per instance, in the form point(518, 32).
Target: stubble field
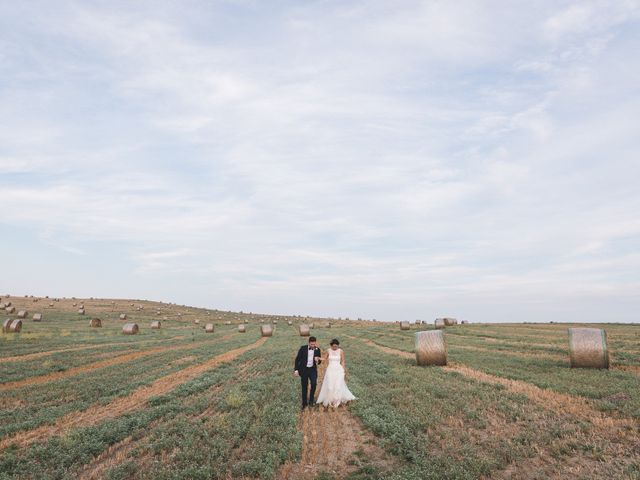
point(179, 403)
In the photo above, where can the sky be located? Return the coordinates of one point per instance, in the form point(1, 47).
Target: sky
point(391, 160)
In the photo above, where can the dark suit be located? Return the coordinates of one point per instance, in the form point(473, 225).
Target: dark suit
point(307, 374)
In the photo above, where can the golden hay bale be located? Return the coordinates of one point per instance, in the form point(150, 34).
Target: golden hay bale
point(130, 328)
point(439, 323)
point(303, 329)
point(95, 322)
point(81, 311)
point(22, 314)
point(431, 348)
point(74, 304)
point(196, 321)
point(209, 328)
point(242, 328)
point(51, 305)
point(266, 330)
point(405, 326)
point(10, 309)
point(156, 324)
point(228, 322)
point(449, 322)
point(37, 317)
point(289, 322)
point(275, 322)
point(123, 316)
point(311, 326)
point(5, 325)
point(588, 348)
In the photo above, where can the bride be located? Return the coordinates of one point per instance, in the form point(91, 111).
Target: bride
point(334, 390)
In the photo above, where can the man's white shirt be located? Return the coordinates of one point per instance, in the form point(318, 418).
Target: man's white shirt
point(310, 354)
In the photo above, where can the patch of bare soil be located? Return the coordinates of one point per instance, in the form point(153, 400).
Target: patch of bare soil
point(134, 401)
point(333, 440)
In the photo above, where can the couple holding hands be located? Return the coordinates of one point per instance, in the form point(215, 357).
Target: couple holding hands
point(333, 391)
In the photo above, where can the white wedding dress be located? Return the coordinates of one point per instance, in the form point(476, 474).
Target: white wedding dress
point(334, 390)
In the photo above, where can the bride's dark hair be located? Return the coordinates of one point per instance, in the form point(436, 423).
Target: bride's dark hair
point(334, 342)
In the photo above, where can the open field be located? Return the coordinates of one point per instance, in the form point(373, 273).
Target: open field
point(179, 403)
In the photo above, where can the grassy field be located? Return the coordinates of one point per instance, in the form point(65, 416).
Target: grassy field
point(179, 403)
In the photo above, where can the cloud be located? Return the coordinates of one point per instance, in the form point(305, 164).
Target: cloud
point(331, 158)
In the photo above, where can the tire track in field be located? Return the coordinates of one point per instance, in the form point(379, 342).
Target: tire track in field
point(331, 438)
point(73, 371)
point(32, 356)
point(120, 406)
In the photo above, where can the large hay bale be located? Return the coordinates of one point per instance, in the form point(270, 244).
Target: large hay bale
point(405, 326)
point(10, 309)
point(228, 322)
point(449, 322)
point(95, 322)
point(130, 328)
point(266, 330)
point(289, 322)
point(304, 330)
point(5, 325)
point(431, 348)
point(311, 326)
point(588, 348)
point(242, 328)
point(22, 314)
point(156, 325)
point(123, 316)
point(12, 326)
point(197, 321)
point(37, 317)
point(209, 328)
point(51, 305)
point(463, 322)
point(275, 322)
point(439, 323)
point(81, 311)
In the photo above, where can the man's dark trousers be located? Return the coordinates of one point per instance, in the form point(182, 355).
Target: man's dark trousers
point(308, 374)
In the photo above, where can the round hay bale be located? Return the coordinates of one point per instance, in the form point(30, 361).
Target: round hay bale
point(123, 316)
point(275, 322)
point(228, 322)
point(51, 305)
point(5, 325)
point(588, 348)
point(156, 325)
point(81, 311)
point(449, 322)
point(266, 330)
point(463, 322)
point(405, 326)
point(197, 321)
point(304, 330)
point(439, 323)
point(10, 309)
point(130, 328)
point(289, 322)
point(242, 328)
point(37, 317)
point(22, 314)
point(74, 304)
point(431, 348)
point(95, 322)
point(209, 328)
point(311, 326)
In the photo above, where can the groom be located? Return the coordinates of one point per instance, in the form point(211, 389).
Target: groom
point(306, 368)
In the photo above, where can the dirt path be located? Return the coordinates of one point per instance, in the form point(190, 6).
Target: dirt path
point(50, 377)
point(134, 401)
point(333, 439)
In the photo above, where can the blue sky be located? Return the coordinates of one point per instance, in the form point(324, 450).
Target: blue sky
point(389, 160)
